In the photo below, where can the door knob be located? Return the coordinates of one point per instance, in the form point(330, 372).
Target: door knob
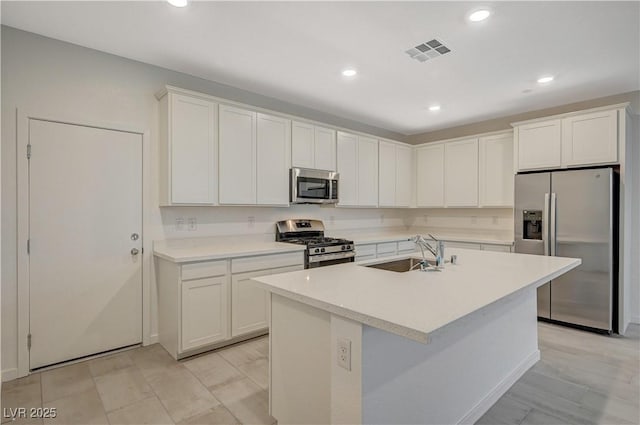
point(134, 236)
point(134, 251)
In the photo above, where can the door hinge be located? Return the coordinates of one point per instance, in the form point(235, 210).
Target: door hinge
point(29, 151)
point(29, 342)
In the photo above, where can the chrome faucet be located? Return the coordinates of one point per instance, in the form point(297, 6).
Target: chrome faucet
point(438, 251)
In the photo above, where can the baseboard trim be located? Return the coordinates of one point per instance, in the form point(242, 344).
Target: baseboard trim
point(499, 390)
point(153, 339)
point(9, 374)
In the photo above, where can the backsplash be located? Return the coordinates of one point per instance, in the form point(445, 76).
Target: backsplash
point(223, 221)
point(187, 222)
point(499, 219)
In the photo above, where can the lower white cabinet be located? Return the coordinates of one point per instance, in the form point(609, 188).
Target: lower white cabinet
point(205, 315)
point(208, 304)
point(250, 303)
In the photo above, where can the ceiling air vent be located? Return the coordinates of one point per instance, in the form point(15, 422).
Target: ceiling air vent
point(428, 50)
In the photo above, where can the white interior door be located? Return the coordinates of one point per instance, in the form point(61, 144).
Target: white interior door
point(85, 203)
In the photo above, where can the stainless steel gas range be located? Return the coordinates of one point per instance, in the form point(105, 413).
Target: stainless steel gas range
point(321, 250)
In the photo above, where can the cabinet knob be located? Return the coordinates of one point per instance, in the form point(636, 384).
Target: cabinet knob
point(134, 251)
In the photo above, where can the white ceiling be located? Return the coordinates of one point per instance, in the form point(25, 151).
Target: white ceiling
point(295, 51)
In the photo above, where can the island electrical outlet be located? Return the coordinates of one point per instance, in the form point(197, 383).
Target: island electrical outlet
point(344, 353)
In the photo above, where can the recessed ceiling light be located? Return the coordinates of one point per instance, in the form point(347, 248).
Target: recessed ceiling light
point(349, 72)
point(546, 79)
point(434, 108)
point(479, 15)
point(178, 3)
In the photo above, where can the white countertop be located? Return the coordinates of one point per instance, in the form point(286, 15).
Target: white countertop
point(415, 304)
point(215, 248)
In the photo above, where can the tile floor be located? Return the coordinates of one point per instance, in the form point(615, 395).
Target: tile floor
point(146, 386)
point(582, 378)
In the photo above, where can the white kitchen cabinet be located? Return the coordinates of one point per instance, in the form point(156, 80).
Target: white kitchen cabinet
point(464, 245)
point(539, 145)
point(404, 175)
point(348, 168)
point(302, 145)
point(367, 172)
point(590, 139)
point(387, 174)
point(204, 312)
point(496, 170)
point(237, 156)
point(325, 148)
point(254, 158)
point(461, 173)
point(430, 176)
point(273, 140)
point(188, 150)
point(358, 168)
point(313, 146)
point(249, 302)
point(495, 248)
point(394, 177)
point(365, 252)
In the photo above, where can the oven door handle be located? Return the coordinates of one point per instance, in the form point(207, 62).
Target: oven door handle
point(332, 256)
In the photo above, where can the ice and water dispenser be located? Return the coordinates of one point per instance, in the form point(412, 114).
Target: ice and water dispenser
point(532, 224)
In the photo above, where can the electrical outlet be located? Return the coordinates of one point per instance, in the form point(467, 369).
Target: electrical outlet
point(495, 220)
point(425, 219)
point(252, 221)
point(179, 224)
point(344, 353)
point(474, 219)
point(192, 223)
point(381, 218)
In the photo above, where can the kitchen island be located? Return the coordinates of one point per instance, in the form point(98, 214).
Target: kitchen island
point(354, 344)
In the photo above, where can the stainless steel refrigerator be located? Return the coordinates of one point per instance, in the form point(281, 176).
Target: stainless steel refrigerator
point(572, 213)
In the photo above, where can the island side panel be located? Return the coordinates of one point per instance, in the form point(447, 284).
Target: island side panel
point(455, 378)
point(300, 369)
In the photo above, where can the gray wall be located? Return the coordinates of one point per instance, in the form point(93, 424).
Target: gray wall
point(60, 80)
point(504, 123)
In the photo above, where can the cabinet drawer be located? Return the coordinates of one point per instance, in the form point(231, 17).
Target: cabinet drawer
point(265, 262)
point(204, 269)
point(406, 246)
point(365, 250)
point(365, 257)
point(465, 245)
point(496, 248)
point(387, 248)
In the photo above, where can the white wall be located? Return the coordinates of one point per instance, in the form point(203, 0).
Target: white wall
point(60, 80)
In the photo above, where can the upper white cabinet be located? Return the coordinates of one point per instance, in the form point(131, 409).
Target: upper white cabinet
point(394, 179)
point(237, 155)
point(358, 168)
point(254, 157)
point(188, 148)
point(273, 141)
point(461, 173)
point(539, 145)
point(590, 138)
point(430, 176)
point(570, 140)
point(313, 146)
point(496, 170)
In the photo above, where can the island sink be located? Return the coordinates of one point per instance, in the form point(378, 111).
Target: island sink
point(400, 265)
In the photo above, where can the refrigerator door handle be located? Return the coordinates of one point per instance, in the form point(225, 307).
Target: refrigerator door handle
point(545, 224)
point(553, 225)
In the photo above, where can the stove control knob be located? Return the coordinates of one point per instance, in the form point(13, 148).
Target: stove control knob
point(316, 250)
point(322, 250)
point(343, 247)
point(348, 246)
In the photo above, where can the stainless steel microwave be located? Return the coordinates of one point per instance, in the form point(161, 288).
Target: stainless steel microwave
point(310, 186)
